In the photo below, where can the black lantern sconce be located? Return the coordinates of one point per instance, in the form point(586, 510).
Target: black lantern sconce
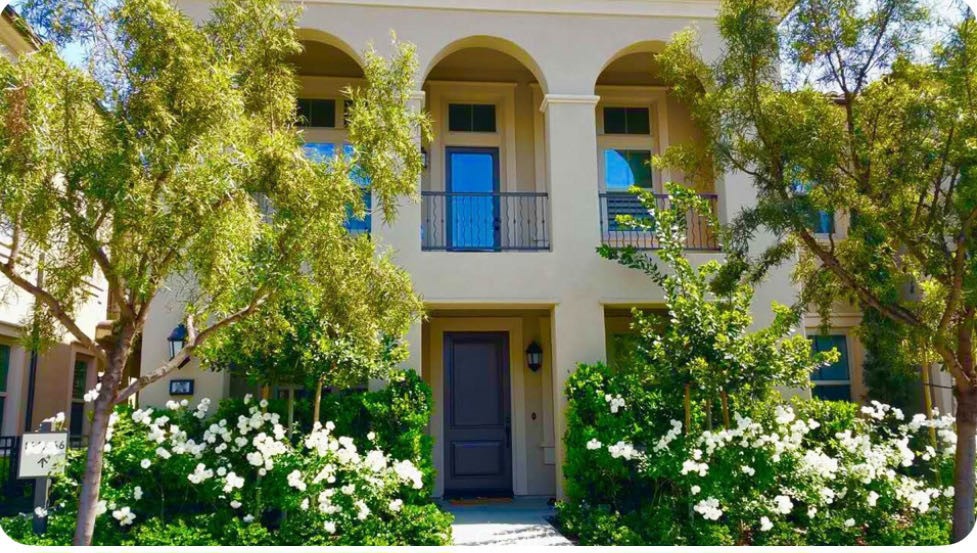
point(424, 157)
point(177, 339)
point(534, 356)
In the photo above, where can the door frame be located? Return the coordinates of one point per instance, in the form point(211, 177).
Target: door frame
point(495, 152)
point(434, 375)
point(501, 338)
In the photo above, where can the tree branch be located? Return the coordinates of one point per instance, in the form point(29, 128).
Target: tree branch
point(57, 310)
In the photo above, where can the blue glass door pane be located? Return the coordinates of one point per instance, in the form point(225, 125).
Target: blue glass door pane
point(473, 209)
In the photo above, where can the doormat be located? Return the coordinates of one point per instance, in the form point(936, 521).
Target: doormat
point(479, 500)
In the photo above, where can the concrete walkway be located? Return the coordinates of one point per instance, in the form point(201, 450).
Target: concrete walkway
point(520, 522)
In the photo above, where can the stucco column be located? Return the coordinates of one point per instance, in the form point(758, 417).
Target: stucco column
point(571, 166)
point(578, 337)
point(578, 318)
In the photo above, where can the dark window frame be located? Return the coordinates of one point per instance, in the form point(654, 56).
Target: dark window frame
point(469, 111)
point(629, 121)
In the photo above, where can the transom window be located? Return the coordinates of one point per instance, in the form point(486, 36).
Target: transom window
point(317, 113)
point(471, 118)
point(627, 120)
point(832, 382)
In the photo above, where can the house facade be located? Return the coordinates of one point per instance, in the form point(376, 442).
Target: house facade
point(544, 113)
point(37, 385)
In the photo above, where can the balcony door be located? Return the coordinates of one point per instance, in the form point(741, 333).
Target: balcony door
point(472, 186)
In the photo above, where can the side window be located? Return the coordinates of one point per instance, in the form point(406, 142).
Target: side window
point(834, 381)
point(627, 120)
point(323, 151)
point(79, 383)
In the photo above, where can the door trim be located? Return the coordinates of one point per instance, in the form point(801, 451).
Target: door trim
point(434, 374)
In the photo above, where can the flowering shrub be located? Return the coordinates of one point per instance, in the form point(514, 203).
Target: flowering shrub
point(179, 476)
point(808, 472)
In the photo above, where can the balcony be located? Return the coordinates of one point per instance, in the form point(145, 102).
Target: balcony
point(698, 235)
point(484, 221)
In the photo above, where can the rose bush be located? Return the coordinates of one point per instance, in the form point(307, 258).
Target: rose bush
point(805, 472)
point(180, 475)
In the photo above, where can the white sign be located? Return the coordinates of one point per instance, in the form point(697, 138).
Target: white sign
point(39, 451)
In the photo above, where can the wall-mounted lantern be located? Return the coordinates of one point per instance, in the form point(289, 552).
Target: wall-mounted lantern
point(177, 339)
point(534, 356)
point(424, 157)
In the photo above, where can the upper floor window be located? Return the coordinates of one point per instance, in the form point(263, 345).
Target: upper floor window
point(627, 120)
point(323, 151)
point(471, 118)
point(833, 381)
point(317, 113)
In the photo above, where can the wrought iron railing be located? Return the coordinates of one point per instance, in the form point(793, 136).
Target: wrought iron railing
point(484, 221)
point(698, 235)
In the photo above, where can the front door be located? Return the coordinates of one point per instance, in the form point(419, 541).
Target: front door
point(472, 188)
point(477, 426)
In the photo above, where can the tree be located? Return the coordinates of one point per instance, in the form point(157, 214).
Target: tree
point(703, 344)
point(309, 335)
point(836, 107)
point(146, 165)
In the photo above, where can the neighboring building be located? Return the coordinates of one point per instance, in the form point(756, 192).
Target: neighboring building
point(35, 386)
point(845, 379)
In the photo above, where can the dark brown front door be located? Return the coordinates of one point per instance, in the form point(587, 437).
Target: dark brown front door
point(477, 433)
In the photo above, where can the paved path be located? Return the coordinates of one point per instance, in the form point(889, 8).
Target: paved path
point(521, 522)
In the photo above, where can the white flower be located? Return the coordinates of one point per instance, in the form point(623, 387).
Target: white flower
point(200, 473)
point(873, 498)
point(623, 450)
point(101, 508)
point(784, 415)
point(371, 436)
point(40, 512)
point(263, 404)
point(396, 505)
point(145, 463)
point(125, 516)
point(362, 511)
point(305, 504)
point(783, 505)
point(92, 395)
point(849, 523)
point(748, 470)
point(248, 519)
point(811, 512)
point(232, 481)
point(137, 493)
point(235, 504)
point(709, 508)
point(765, 524)
point(594, 443)
point(696, 490)
point(295, 480)
point(330, 526)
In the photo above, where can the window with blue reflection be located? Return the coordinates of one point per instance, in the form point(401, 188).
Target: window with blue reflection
point(832, 382)
point(324, 151)
point(626, 168)
point(472, 206)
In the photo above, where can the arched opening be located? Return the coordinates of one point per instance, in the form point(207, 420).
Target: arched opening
point(638, 118)
point(484, 188)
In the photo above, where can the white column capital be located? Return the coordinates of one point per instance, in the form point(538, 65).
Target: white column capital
point(584, 99)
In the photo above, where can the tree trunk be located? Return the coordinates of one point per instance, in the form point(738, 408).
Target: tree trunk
point(963, 469)
point(317, 400)
point(92, 479)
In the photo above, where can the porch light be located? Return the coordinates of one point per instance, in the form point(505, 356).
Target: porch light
point(177, 339)
point(424, 157)
point(534, 356)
